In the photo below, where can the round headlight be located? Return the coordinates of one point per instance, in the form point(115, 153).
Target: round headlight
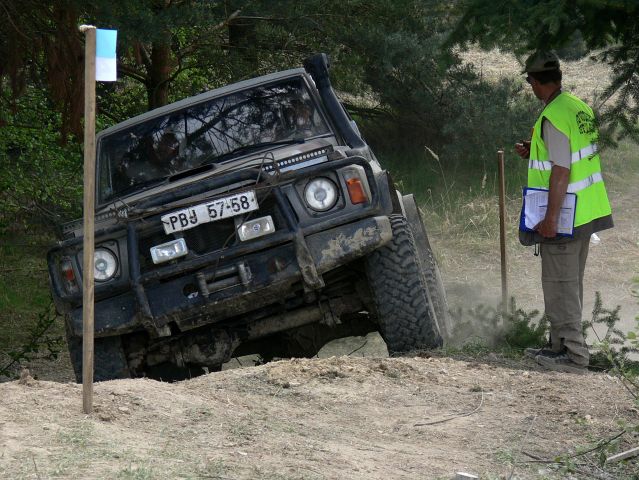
point(320, 194)
point(104, 264)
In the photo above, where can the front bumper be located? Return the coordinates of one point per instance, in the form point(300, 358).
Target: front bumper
point(230, 288)
point(224, 282)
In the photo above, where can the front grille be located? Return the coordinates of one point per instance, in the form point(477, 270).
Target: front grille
point(211, 236)
point(208, 237)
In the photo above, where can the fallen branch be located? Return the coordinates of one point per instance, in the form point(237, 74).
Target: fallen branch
point(563, 463)
point(35, 467)
point(633, 452)
point(534, 457)
point(601, 444)
point(435, 422)
point(512, 469)
point(561, 460)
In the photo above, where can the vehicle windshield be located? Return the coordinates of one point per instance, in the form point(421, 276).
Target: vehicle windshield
point(144, 154)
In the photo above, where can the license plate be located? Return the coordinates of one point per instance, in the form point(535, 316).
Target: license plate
point(210, 212)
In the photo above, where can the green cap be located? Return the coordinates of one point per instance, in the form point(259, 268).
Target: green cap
point(541, 62)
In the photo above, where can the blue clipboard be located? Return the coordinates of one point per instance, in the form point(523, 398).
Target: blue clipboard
point(567, 212)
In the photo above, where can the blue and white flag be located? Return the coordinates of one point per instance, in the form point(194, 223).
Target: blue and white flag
point(106, 60)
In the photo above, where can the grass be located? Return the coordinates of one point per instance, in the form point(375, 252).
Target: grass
point(136, 473)
point(22, 264)
point(24, 290)
point(439, 182)
point(78, 436)
point(585, 78)
point(459, 203)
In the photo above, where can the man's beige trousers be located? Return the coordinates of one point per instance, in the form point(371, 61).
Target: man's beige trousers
point(562, 275)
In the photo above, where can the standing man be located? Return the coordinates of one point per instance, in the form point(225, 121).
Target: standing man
point(563, 157)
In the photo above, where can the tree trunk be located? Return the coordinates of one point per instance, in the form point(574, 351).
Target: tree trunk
point(242, 47)
point(159, 73)
point(65, 68)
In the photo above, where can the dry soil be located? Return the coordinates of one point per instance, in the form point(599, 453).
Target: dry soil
point(334, 418)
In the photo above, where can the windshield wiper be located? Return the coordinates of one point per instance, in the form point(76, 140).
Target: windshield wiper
point(248, 148)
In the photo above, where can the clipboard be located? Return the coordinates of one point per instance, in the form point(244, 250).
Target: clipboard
point(533, 211)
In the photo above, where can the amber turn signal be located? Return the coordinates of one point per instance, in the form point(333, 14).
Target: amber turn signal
point(356, 191)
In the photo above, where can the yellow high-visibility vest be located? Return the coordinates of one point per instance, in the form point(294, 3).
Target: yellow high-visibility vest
point(575, 119)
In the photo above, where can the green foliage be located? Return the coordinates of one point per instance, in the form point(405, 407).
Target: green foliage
point(117, 101)
point(521, 330)
point(607, 27)
point(509, 331)
point(40, 342)
point(613, 347)
point(457, 166)
point(22, 265)
point(40, 176)
point(25, 301)
point(494, 115)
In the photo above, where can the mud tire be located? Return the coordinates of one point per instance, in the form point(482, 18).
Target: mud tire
point(109, 360)
point(434, 283)
point(405, 317)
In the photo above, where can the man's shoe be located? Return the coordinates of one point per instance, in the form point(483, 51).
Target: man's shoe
point(560, 362)
point(533, 352)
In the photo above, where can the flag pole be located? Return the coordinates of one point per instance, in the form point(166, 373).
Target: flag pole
point(89, 218)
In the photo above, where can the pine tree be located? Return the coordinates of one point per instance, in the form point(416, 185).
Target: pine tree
point(609, 30)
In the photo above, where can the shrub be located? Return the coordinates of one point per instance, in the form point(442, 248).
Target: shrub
point(510, 331)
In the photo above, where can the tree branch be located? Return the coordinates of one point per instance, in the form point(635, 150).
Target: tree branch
point(447, 419)
point(130, 72)
point(367, 111)
point(229, 19)
point(15, 27)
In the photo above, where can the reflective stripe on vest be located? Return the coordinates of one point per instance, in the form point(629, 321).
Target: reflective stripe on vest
point(539, 165)
point(585, 152)
point(585, 183)
point(576, 156)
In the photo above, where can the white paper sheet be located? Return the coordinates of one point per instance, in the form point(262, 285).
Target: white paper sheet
point(536, 203)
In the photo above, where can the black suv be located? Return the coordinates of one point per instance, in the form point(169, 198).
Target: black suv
point(251, 219)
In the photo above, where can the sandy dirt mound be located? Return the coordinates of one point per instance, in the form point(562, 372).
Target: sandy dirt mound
point(335, 418)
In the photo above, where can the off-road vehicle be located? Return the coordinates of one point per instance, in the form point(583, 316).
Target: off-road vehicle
point(251, 219)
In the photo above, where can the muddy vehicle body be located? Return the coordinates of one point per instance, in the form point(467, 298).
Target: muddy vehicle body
point(249, 219)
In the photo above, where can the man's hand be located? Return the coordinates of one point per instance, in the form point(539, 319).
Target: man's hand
point(547, 228)
point(523, 149)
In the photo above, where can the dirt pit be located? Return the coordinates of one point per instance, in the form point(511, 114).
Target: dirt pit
point(331, 418)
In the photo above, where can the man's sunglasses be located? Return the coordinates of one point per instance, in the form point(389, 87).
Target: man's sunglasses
point(529, 79)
